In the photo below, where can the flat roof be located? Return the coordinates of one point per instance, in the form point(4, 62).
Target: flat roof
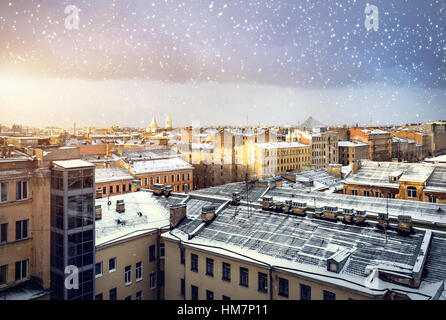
point(302, 245)
point(277, 145)
point(70, 164)
point(112, 174)
point(351, 144)
point(159, 165)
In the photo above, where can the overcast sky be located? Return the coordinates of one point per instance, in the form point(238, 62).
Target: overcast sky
point(218, 62)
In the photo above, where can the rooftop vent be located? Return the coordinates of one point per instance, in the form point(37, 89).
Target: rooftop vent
point(348, 215)
point(360, 216)
point(139, 213)
point(383, 220)
point(267, 203)
point(98, 212)
point(405, 224)
point(120, 206)
point(158, 189)
point(319, 212)
point(207, 213)
point(235, 198)
point(177, 214)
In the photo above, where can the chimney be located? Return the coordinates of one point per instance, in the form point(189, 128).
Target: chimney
point(355, 165)
point(98, 212)
point(207, 213)
point(404, 223)
point(335, 169)
point(177, 214)
point(120, 206)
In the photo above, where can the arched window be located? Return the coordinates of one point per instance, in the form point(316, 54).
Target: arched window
point(411, 192)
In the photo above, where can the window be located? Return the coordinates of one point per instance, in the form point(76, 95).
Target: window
point(226, 271)
point(188, 176)
point(209, 295)
point(123, 187)
point(128, 298)
point(151, 180)
point(162, 250)
point(157, 179)
point(366, 193)
point(178, 177)
point(98, 269)
point(138, 271)
point(263, 282)
point(283, 287)
point(182, 177)
point(194, 292)
point(21, 270)
point(3, 192)
point(21, 229)
point(152, 253)
point(21, 190)
point(145, 181)
point(139, 295)
point(182, 287)
point(117, 188)
point(172, 178)
point(112, 294)
point(3, 232)
point(3, 274)
point(152, 280)
point(112, 264)
point(104, 190)
point(98, 297)
point(244, 273)
point(194, 262)
point(111, 189)
point(305, 292)
point(182, 255)
point(411, 192)
point(392, 195)
point(210, 267)
point(378, 194)
point(165, 179)
point(225, 298)
point(329, 295)
point(128, 275)
point(432, 199)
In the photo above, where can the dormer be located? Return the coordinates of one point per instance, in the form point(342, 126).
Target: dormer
point(338, 260)
point(395, 176)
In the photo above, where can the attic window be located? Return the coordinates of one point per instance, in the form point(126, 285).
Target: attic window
point(333, 267)
point(411, 192)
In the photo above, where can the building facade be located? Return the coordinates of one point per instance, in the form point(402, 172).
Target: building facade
point(352, 151)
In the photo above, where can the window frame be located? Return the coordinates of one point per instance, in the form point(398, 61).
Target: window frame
point(4, 233)
point(307, 289)
point(284, 291)
point(138, 269)
point(21, 230)
point(115, 266)
point(152, 280)
point(3, 186)
point(98, 275)
point(226, 271)
point(194, 262)
point(210, 267)
point(244, 272)
point(128, 275)
point(260, 278)
point(328, 295)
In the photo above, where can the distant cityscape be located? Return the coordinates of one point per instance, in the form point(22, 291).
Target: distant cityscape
point(204, 212)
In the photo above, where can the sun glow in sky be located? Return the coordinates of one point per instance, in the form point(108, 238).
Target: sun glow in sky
point(269, 62)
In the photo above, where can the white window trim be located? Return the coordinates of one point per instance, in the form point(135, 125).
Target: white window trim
point(125, 276)
point(136, 273)
point(150, 280)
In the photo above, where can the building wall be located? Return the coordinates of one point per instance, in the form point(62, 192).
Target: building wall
point(175, 271)
point(348, 155)
point(36, 208)
point(114, 184)
point(178, 186)
point(128, 253)
point(325, 149)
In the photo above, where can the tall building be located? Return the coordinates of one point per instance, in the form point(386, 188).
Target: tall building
point(72, 229)
point(350, 152)
point(379, 141)
point(168, 121)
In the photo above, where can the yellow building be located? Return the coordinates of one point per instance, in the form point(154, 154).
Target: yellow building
point(279, 157)
point(223, 251)
point(129, 254)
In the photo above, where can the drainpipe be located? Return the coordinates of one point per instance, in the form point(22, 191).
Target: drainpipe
point(158, 265)
point(270, 283)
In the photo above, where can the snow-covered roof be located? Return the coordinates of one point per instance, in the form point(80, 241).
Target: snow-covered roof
point(377, 173)
point(302, 245)
point(154, 210)
point(70, 164)
point(159, 165)
point(280, 145)
point(351, 144)
point(439, 159)
point(112, 174)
